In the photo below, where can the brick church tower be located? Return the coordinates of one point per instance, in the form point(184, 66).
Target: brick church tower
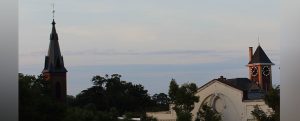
point(260, 70)
point(54, 70)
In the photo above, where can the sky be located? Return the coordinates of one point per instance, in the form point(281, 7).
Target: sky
point(149, 42)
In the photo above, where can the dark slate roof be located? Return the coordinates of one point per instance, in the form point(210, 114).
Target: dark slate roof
point(255, 94)
point(260, 56)
point(242, 83)
point(250, 90)
point(54, 61)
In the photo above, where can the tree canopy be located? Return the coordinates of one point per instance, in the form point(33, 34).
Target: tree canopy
point(108, 98)
point(111, 92)
point(272, 99)
point(207, 113)
point(183, 98)
point(35, 102)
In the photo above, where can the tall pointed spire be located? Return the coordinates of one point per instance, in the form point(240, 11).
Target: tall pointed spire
point(53, 35)
point(54, 69)
point(54, 61)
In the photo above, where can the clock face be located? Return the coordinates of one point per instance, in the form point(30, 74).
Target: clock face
point(254, 71)
point(266, 71)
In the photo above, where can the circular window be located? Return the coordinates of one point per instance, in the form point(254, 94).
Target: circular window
point(219, 105)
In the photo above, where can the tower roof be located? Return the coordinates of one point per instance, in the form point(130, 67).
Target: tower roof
point(54, 61)
point(260, 56)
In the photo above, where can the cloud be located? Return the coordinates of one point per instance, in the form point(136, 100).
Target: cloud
point(118, 57)
point(151, 33)
point(112, 52)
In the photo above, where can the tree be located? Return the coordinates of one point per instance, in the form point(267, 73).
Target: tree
point(260, 115)
point(161, 101)
point(173, 88)
point(111, 92)
point(35, 102)
point(272, 99)
point(184, 98)
point(207, 113)
point(147, 118)
point(108, 98)
point(86, 114)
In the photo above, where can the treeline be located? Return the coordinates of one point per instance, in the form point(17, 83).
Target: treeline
point(108, 98)
point(272, 99)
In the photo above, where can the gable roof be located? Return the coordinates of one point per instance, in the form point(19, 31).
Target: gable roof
point(260, 56)
point(243, 84)
point(250, 90)
point(221, 81)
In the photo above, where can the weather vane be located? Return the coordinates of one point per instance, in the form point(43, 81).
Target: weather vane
point(53, 11)
point(258, 40)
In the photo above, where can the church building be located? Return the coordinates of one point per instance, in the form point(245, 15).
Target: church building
point(234, 98)
point(54, 70)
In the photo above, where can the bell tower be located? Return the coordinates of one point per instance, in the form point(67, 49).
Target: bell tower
point(54, 70)
point(260, 68)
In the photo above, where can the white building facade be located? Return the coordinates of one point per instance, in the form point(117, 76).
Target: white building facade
point(226, 99)
point(236, 98)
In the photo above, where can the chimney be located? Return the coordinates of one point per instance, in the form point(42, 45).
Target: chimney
point(222, 78)
point(250, 53)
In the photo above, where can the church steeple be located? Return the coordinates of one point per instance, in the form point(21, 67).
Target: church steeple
point(54, 61)
point(259, 67)
point(54, 69)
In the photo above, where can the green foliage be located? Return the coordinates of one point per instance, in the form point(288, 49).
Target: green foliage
point(128, 116)
point(161, 99)
point(184, 116)
point(207, 113)
point(70, 100)
point(108, 98)
point(35, 102)
point(172, 90)
point(80, 114)
point(272, 99)
point(184, 98)
point(261, 115)
point(161, 102)
point(108, 92)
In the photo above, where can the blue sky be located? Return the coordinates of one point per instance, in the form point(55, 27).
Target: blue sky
point(149, 42)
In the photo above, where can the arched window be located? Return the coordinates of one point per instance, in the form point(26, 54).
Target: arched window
point(58, 90)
